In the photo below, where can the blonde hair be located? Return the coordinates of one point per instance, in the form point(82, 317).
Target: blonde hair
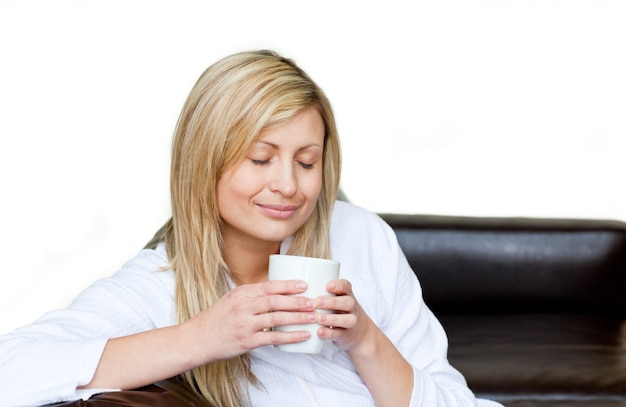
point(230, 104)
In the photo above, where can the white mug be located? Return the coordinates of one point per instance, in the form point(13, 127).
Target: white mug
point(316, 273)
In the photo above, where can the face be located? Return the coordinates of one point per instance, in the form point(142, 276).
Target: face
point(274, 190)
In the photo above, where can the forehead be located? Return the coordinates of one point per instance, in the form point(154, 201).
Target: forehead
point(307, 124)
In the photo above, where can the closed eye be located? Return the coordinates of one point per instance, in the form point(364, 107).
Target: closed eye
point(305, 165)
point(260, 162)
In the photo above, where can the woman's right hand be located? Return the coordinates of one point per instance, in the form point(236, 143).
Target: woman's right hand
point(241, 320)
point(232, 326)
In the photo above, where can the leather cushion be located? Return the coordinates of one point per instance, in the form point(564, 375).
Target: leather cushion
point(469, 265)
point(540, 356)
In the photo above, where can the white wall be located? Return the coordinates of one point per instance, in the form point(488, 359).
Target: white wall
point(470, 107)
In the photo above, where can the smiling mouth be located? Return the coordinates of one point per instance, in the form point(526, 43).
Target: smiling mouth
point(278, 211)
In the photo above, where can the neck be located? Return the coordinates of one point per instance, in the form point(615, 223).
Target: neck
point(248, 263)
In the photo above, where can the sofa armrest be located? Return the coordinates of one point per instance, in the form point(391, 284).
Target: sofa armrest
point(477, 265)
point(169, 393)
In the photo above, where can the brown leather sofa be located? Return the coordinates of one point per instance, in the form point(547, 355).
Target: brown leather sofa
point(535, 309)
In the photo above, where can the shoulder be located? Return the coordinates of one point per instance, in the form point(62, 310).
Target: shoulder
point(142, 289)
point(349, 218)
point(148, 259)
point(358, 230)
point(149, 266)
point(345, 212)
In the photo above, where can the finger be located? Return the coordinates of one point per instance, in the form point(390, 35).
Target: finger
point(278, 319)
point(286, 287)
point(273, 337)
point(332, 333)
point(337, 321)
point(342, 303)
point(274, 303)
point(339, 287)
point(279, 337)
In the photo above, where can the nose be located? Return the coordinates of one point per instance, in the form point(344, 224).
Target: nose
point(284, 180)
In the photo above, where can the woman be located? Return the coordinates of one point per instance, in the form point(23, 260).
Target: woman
point(255, 171)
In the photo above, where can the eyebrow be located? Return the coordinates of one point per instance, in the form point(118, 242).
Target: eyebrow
point(275, 146)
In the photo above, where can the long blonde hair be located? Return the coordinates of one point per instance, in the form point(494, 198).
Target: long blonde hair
point(230, 104)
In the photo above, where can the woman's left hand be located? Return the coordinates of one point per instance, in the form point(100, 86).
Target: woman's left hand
point(372, 353)
point(349, 325)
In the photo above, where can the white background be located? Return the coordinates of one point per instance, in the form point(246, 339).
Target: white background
point(461, 107)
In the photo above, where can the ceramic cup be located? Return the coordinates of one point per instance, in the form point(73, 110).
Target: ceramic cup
point(317, 273)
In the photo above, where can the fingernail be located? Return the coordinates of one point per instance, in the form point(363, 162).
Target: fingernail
point(310, 304)
point(300, 285)
point(312, 317)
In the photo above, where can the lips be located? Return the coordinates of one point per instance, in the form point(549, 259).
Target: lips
point(278, 211)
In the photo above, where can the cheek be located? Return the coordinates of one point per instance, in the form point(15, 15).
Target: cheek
point(236, 190)
point(314, 184)
point(230, 188)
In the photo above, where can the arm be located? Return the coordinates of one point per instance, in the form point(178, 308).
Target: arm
point(69, 354)
point(389, 325)
point(140, 359)
point(391, 379)
point(46, 361)
point(230, 327)
point(385, 372)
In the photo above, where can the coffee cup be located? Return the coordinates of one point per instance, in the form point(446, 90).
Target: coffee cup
point(316, 273)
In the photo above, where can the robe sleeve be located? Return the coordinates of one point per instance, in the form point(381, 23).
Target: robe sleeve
point(46, 361)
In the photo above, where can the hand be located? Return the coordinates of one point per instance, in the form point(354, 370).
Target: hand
point(349, 324)
point(240, 320)
point(371, 352)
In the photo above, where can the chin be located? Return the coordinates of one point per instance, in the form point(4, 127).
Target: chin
point(278, 234)
point(276, 237)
